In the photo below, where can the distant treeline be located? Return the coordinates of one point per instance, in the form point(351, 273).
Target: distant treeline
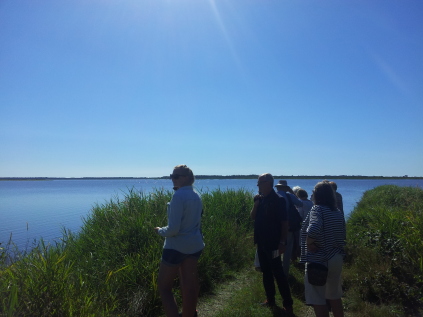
point(251, 176)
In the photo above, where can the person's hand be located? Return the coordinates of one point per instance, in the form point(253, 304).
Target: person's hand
point(282, 248)
point(312, 247)
point(257, 199)
point(157, 229)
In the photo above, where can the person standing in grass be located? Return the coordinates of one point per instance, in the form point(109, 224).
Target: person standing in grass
point(293, 243)
point(338, 197)
point(270, 234)
point(303, 211)
point(307, 204)
point(183, 244)
point(323, 238)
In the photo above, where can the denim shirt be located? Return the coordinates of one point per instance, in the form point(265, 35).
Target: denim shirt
point(183, 231)
point(294, 199)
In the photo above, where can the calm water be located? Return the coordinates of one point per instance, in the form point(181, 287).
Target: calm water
point(33, 209)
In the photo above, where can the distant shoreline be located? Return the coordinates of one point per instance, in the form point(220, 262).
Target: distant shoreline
point(213, 177)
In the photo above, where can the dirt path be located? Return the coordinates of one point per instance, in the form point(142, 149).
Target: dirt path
point(210, 305)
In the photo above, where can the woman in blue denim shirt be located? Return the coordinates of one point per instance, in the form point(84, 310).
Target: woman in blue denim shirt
point(183, 244)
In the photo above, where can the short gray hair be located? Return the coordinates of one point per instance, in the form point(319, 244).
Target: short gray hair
point(268, 177)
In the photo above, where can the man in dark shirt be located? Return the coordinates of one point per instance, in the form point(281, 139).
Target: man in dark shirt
point(270, 234)
point(338, 197)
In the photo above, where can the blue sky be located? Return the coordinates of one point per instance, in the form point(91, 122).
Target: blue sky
point(133, 88)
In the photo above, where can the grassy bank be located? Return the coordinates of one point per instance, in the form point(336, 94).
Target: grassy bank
point(110, 268)
point(384, 266)
point(383, 271)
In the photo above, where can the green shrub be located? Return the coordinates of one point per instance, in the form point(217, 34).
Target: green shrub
point(385, 248)
point(110, 267)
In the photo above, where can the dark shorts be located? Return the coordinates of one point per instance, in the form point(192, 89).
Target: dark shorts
point(175, 258)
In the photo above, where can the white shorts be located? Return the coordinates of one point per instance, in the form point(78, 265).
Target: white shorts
point(317, 295)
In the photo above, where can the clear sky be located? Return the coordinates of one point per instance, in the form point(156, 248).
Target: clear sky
point(133, 88)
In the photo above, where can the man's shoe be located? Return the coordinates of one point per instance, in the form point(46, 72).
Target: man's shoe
point(289, 311)
point(268, 303)
point(195, 314)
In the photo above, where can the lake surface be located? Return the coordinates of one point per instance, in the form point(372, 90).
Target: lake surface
point(33, 209)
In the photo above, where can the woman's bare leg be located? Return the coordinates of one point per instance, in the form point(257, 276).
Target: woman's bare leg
point(190, 286)
point(321, 310)
point(167, 275)
point(337, 308)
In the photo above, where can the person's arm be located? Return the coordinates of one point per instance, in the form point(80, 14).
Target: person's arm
point(284, 237)
point(255, 207)
point(314, 227)
point(174, 218)
point(296, 201)
point(301, 212)
point(311, 245)
point(284, 226)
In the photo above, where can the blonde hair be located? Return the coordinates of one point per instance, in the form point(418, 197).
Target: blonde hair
point(186, 171)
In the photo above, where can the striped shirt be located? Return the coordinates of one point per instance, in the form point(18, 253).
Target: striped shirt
point(327, 228)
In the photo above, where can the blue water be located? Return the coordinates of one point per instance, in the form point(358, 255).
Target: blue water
point(33, 209)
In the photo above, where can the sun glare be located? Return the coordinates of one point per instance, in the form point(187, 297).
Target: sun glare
point(225, 32)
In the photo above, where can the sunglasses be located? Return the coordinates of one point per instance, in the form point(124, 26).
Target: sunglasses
point(261, 182)
point(175, 176)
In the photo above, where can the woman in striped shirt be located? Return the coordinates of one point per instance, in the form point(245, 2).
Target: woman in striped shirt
point(322, 241)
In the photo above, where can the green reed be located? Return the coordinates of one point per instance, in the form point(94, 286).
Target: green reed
point(385, 243)
point(110, 267)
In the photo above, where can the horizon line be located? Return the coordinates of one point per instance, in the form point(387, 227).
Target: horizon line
point(205, 176)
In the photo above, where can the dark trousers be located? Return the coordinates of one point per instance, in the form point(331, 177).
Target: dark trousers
point(272, 270)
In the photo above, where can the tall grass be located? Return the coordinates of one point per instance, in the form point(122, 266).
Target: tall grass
point(110, 268)
point(385, 251)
